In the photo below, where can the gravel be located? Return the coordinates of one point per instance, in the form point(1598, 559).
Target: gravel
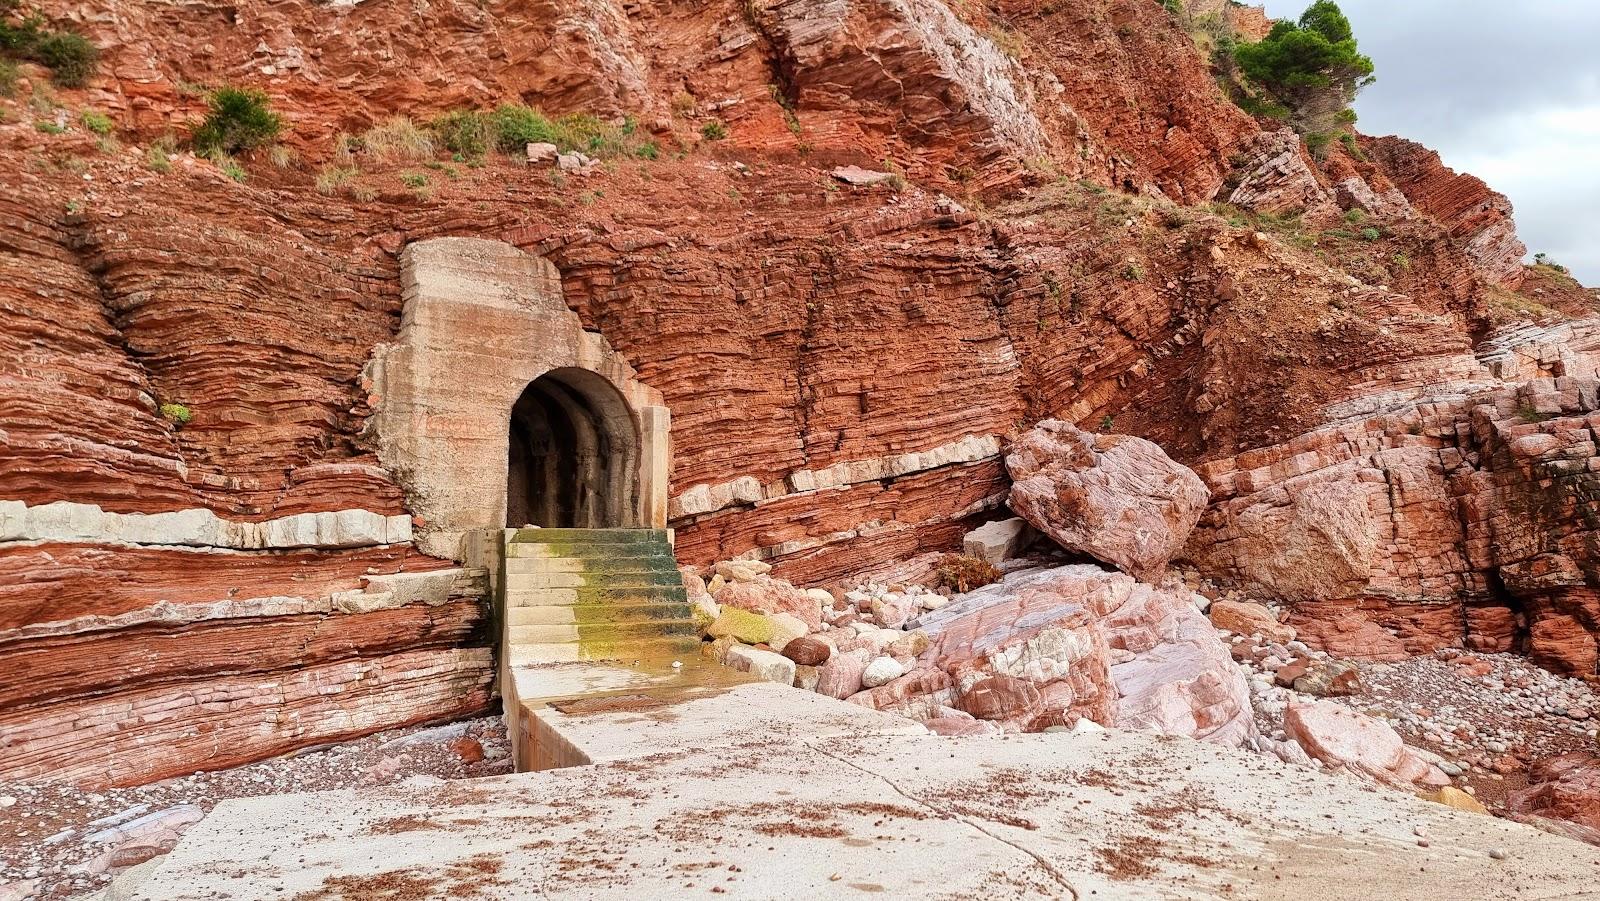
point(60, 839)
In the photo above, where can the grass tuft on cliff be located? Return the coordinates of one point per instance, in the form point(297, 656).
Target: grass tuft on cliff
point(237, 120)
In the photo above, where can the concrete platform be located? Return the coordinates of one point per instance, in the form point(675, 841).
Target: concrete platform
point(572, 715)
point(760, 791)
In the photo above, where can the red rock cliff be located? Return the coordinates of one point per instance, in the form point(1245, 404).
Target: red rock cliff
point(187, 597)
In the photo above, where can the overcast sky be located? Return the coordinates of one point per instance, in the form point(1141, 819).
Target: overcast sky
point(1509, 91)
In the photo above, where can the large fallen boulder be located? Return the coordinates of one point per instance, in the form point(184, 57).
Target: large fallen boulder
point(1359, 744)
point(1172, 673)
point(1114, 497)
point(1052, 646)
point(1563, 796)
point(1035, 629)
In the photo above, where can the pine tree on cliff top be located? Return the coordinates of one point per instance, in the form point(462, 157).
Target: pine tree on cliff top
point(1312, 66)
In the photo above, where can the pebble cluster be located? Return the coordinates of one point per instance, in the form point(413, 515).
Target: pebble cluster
point(1485, 716)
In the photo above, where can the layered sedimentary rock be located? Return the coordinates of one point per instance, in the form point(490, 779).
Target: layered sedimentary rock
point(1459, 519)
point(1474, 214)
point(843, 365)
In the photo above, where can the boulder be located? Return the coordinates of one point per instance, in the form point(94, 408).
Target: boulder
point(1352, 636)
point(840, 677)
point(1001, 698)
point(881, 671)
point(742, 625)
point(767, 595)
point(1049, 647)
point(786, 627)
point(542, 152)
point(807, 651)
point(1563, 795)
point(1291, 671)
point(742, 570)
point(999, 541)
point(1331, 678)
point(911, 644)
point(1250, 619)
point(1117, 498)
point(892, 612)
point(1173, 674)
point(1359, 744)
point(762, 664)
point(805, 677)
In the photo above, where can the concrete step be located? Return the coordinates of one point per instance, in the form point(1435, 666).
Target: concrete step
point(651, 553)
point(627, 650)
point(578, 537)
point(599, 563)
point(572, 614)
point(602, 632)
point(532, 574)
point(602, 594)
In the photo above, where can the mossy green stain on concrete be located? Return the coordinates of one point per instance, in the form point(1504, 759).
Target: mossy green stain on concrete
point(614, 564)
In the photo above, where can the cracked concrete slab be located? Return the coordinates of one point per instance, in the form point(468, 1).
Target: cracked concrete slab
point(1105, 815)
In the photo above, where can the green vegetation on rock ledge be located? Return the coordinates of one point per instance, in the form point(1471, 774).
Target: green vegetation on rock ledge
point(177, 414)
point(238, 120)
point(511, 127)
point(1312, 68)
point(69, 56)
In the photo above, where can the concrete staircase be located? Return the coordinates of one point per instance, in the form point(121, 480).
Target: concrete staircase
point(593, 594)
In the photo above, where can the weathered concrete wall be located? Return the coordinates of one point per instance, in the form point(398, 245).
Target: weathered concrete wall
point(482, 321)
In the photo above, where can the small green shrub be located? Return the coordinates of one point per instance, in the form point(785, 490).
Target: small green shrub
point(1402, 260)
point(49, 127)
point(516, 126)
point(177, 414)
point(414, 180)
point(1318, 143)
point(715, 130)
point(69, 56)
point(97, 122)
point(9, 73)
point(238, 120)
point(1107, 423)
point(465, 133)
point(1370, 234)
point(1543, 259)
point(19, 37)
